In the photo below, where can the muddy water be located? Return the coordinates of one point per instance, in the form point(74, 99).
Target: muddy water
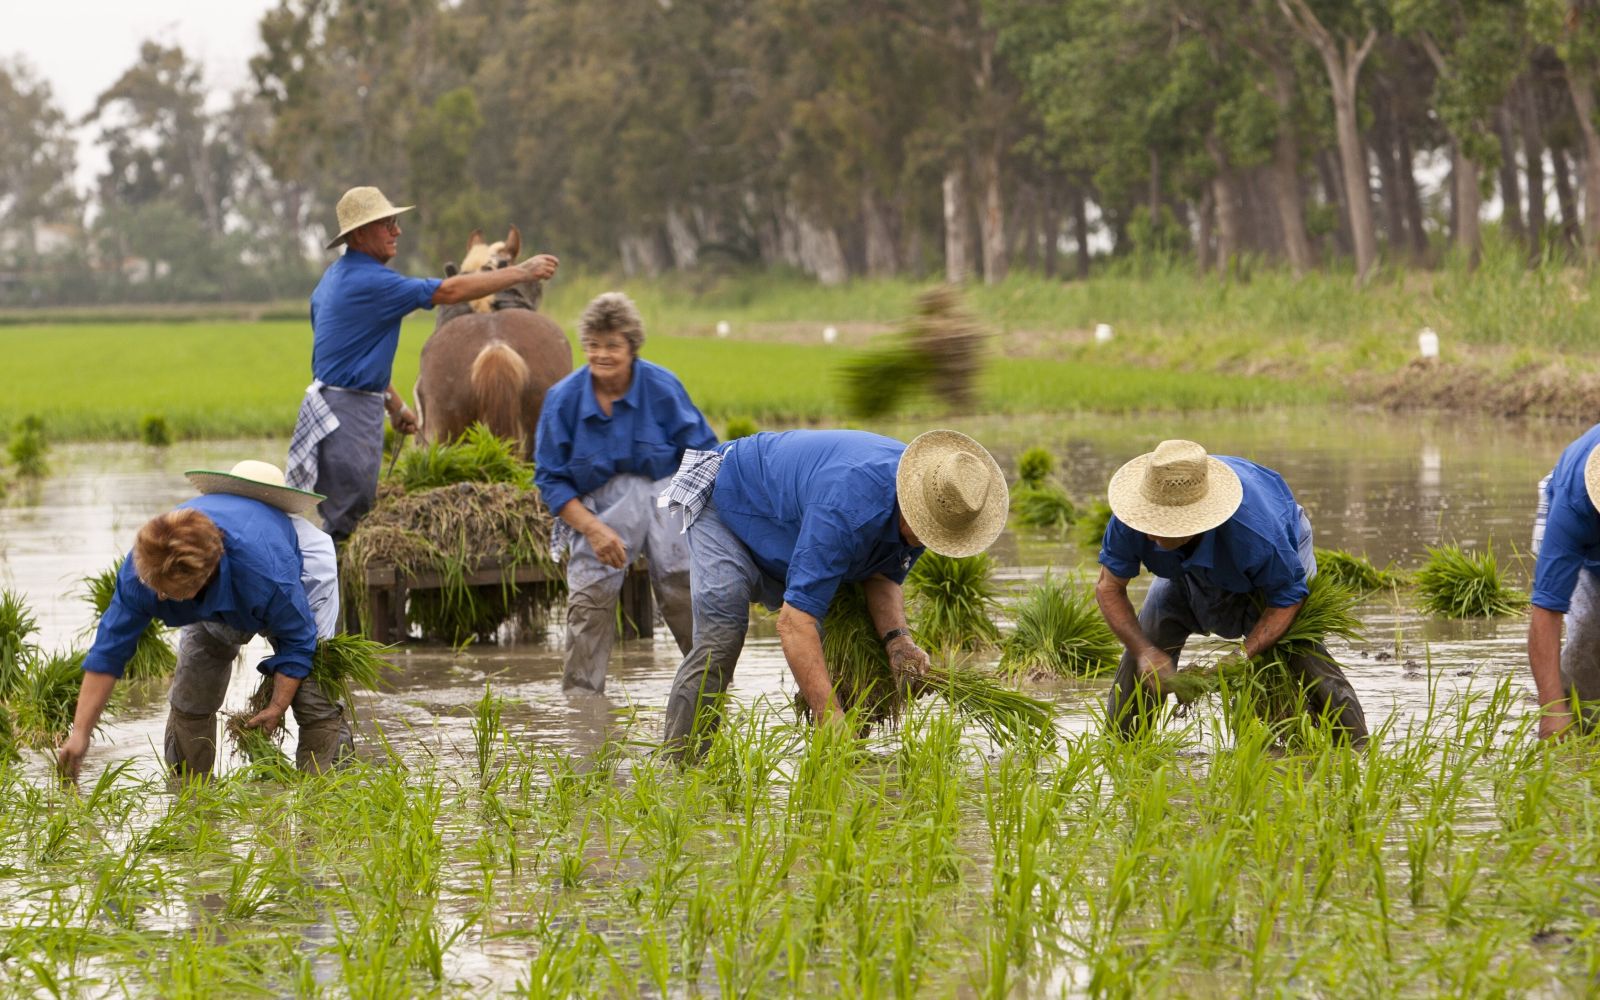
point(1374, 483)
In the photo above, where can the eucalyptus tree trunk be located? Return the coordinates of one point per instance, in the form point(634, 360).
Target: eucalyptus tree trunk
point(1580, 82)
point(1533, 153)
point(1468, 204)
point(1080, 228)
point(878, 235)
point(1510, 182)
point(992, 219)
point(957, 231)
point(1286, 172)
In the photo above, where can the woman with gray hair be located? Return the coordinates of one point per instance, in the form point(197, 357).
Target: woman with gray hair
point(610, 437)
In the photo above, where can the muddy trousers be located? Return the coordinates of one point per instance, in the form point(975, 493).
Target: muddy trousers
point(723, 582)
point(627, 505)
point(1580, 647)
point(206, 654)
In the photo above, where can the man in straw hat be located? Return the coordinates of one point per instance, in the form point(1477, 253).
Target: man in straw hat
point(1566, 542)
point(786, 518)
point(226, 566)
point(1231, 552)
point(356, 309)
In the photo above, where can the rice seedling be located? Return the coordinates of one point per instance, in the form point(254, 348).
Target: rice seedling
point(738, 427)
point(46, 698)
point(1357, 572)
point(153, 430)
point(1035, 466)
point(17, 624)
point(952, 602)
point(1044, 506)
point(154, 655)
point(864, 683)
point(28, 448)
point(1090, 529)
point(477, 457)
point(1059, 633)
point(344, 664)
point(1457, 584)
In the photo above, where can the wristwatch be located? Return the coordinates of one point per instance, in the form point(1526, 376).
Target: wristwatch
point(895, 633)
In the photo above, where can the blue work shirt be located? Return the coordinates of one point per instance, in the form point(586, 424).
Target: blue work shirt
point(256, 588)
point(1257, 549)
point(579, 449)
point(1571, 529)
point(815, 509)
point(356, 311)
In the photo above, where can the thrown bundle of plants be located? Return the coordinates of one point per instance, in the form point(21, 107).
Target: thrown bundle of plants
point(1329, 610)
point(153, 656)
point(864, 682)
point(1090, 529)
point(478, 456)
point(939, 351)
point(1357, 572)
point(952, 602)
point(1060, 633)
point(1457, 584)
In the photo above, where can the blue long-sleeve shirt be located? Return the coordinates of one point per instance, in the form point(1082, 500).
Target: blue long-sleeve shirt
point(1571, 530)
point(578, 448)
point(356, 311)
point(1255, 549)
point(257, 588)
point(815, 509)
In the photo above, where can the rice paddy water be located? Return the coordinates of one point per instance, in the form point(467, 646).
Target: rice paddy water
point(499, 837)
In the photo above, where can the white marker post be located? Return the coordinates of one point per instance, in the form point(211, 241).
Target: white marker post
point(829, 335)
point(723, 329)
point(1428, 343)
point(1102, 333)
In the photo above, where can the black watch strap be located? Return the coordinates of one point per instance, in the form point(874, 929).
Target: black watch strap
point(895, 633)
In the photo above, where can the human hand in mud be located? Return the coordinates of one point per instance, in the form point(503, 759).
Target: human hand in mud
point(907, 660)
point(69, 759)
point(541, 267)
point(267, 720)
point(607, 545)
point(1155, 669)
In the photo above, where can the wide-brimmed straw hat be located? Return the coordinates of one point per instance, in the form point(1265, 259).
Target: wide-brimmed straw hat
point(1175, 491)
point(1591, 475)
point(259, 481)
point(359, 206)
point(952, 493)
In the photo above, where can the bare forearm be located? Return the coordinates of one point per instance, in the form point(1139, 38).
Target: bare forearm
point(886, 603)
point(578, 517)
point(802, 647)
point(477, 284)
point(1111, 593)
point(1544, 654)
point(284, 688)
point(93, 694)
point(1270, 627)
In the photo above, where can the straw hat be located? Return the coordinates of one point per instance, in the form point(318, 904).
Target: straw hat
point(1591, 476)
point(952, 493)
point(1175, 491)
point(359, 206)
point(259, 481)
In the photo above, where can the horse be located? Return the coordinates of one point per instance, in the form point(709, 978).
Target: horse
point(491, 362)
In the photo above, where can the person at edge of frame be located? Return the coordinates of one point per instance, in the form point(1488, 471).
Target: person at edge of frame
point(1566, 547)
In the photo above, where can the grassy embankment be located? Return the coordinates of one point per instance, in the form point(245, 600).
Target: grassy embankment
point(1514, 340)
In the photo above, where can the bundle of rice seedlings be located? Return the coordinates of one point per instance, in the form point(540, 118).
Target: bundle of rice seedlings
point(1457, 584)
point(153, 656)
point(739, 427)
point(1090, 529)
point(256, 747)
point(27, 448)
point(952, 601)
point(1035, 466)
point(939, 351)
point(341, 665)
point(46, 698)
point(1357, 572)
point(864, 682)
point(478, 456)
point(153, 430)
point(8, 736)
point(16, 625)
point(1329, 610)
point(876, 383)
point(1047, 507)
point(1060, 633)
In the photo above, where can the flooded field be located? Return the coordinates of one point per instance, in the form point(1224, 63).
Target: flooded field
point(506, 837)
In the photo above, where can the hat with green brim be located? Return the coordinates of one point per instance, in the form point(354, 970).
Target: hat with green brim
point(259, 481)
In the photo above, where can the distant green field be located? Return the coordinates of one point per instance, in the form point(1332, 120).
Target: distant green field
point(225, 379)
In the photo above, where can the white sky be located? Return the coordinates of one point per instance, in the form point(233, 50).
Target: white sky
point(82, 46)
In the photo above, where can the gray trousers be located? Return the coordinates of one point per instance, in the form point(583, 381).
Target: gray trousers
point(1580, 648)
point(349, 459)
point(627, 505)
point(1176, 609)
point(723, 582)
point(206, 654)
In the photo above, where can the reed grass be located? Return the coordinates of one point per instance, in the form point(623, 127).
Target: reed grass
point(952, 603)
point(1457, 584)
point(153, 656)
point(1357, 572)
point(477, 457)
point(1059, 633)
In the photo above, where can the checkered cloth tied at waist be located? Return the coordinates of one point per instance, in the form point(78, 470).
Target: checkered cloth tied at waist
point(690, 489)
point(315, 422)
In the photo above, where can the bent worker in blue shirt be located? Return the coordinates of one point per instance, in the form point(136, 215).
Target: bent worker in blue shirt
point(1231, 551)
point(1566, 542)
point(226, 566)
point(786, 518)
point(610, 436)
point(356, 309)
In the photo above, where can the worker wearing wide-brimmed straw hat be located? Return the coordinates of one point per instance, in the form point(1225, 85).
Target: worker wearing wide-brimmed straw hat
point(236, 562)
point(784, 519)
point(1232, 553)
point(1566, 544)
point(356, 309)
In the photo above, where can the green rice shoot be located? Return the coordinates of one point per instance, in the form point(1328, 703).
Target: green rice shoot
point(1457, 584)
point(1059, 633)
point(1045, 507)
point(28, 447)
point(1035, 466)
point(738, 427)
point(17, 626)
point(154, 655)
point(346, 663)
point(477, 457)
point(1090, 529)
point(46, 699)
point(1357, 572)
point(952, 603)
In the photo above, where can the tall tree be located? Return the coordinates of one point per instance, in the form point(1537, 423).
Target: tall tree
point(37, 160)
